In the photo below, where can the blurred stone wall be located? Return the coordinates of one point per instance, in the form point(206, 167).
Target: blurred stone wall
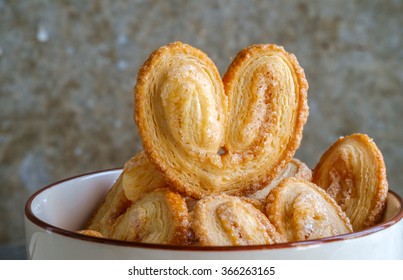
point(67, 71)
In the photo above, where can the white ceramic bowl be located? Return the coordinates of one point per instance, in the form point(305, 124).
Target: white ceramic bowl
point(54, 213)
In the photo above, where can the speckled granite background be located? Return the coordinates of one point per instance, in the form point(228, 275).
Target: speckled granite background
point(67, 69)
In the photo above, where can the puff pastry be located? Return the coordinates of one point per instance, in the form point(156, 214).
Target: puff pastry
point(353, 172)
point(295, 168)
point(114, 205)
point(140, 176)
point(160, 217)
point(300, 210)
point(211, 136)
point(223, 220)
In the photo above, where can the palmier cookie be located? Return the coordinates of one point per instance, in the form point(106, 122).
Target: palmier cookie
point(210, 136)
point(353, 172)
point(159, 217)
point(223, 220)
point(300, 210)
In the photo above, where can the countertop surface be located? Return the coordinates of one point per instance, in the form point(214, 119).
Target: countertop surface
point(12, 252)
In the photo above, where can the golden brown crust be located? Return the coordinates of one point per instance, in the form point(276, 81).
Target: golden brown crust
point(223, 220)
point(114, 205)
point(160, 217)
point(353, 172)
point(295, 168)
point(140, 177)
point(185, 117)
point(300, 210)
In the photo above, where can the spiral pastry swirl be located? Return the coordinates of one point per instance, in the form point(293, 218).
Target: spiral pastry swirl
point(300, 210)
point(352, 171)
point(160, 217)
point(210, 136)
point(224, 220)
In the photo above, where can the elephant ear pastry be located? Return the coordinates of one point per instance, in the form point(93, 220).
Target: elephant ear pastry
point(353, 172)
point(210, 136)
point(300, 210)
point(160, 217)
point(223, 220)
point(140, 176)
point(295, 168)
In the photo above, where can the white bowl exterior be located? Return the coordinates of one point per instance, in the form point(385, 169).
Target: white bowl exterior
point(47, 244)
point(385, 244)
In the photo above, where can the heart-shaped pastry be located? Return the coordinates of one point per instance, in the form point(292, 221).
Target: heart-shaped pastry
point(209, 135)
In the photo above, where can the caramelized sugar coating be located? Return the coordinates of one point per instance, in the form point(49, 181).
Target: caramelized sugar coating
point(211, 136)
point(295, 168)
point(160, 217)
point(114, 205)
point(300, 210)
point(223, 220)
point(353, 172)
point(140, 176)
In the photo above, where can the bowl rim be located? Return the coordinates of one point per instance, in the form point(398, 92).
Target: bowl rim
point(288, 245)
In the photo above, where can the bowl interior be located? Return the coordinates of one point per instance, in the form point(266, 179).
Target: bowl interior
point(70, 203)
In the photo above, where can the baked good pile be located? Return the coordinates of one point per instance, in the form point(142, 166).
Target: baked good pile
point(218, 166)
